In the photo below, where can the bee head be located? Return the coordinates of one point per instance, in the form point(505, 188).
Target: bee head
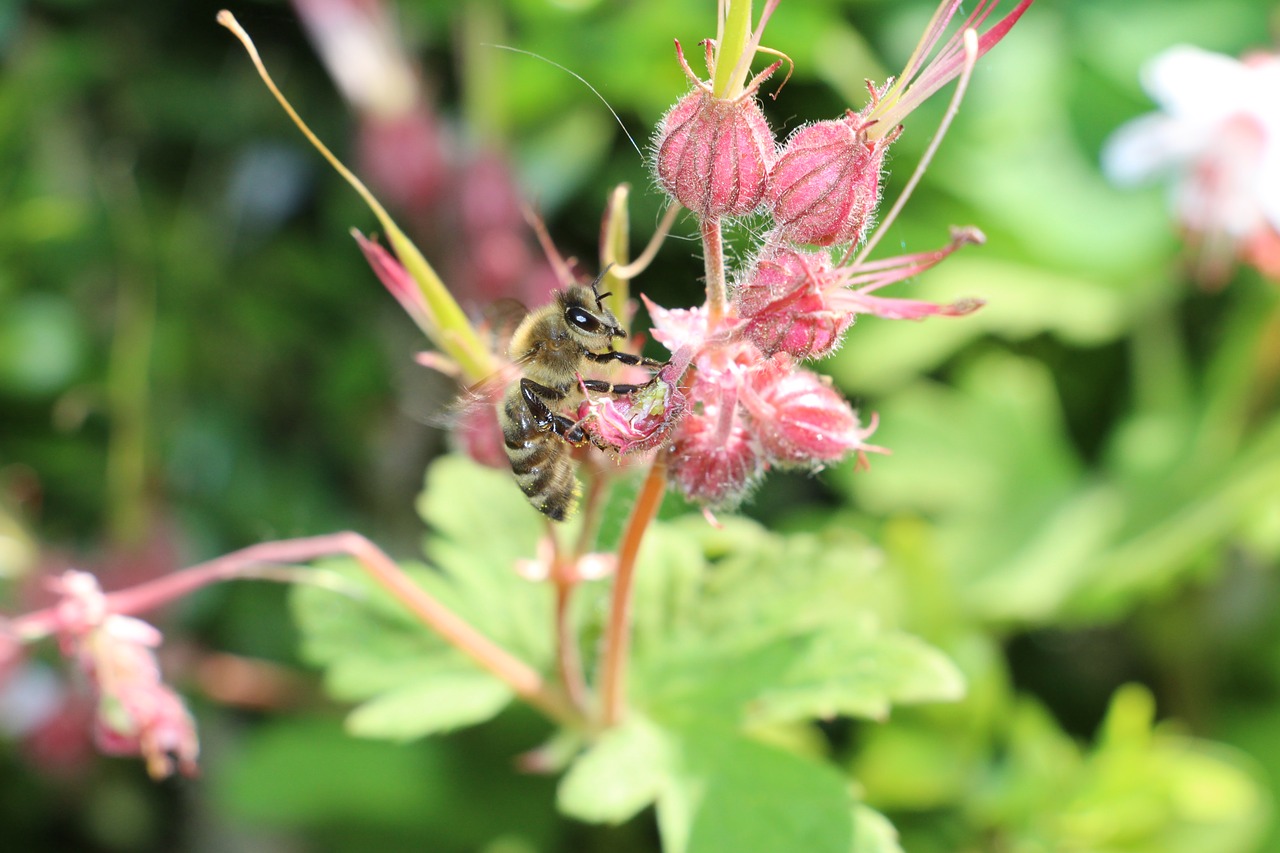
point(587, 318)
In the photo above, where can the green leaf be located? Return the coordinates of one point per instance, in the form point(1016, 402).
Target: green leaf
point(719, 683)
point(764, 628)
point(373, 649)
point(460, 503)
point(728, 794)
point(862, 677)
point(284, 775)
point(367, 643)
point(619, 775)
point(873, 833)
point(438, 704)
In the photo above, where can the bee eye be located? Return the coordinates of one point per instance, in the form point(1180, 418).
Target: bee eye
point(584, 320)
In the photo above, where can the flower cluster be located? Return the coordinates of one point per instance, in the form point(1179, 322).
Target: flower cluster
point(1218, 135)
point(747, 405)
point(749, 410)
point(137, 713)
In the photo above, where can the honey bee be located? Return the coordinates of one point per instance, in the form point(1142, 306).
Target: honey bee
point(550, 347)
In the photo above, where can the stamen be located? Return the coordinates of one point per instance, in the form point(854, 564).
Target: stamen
point(877, 274)
point(564, 275)
point(971, 58)
point(908, 94)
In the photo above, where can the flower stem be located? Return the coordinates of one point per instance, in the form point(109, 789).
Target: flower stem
point(642, 261)
point(519, 676)
point(452, 331)
point(617, 639)
point(713, 259)
point(568, 656)
point(249, 562)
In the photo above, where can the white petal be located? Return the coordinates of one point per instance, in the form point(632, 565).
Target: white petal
point(1191, 82)
point(1142, 149)
point(1269, 185)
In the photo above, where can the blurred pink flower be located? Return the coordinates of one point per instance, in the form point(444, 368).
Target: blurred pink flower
point(136, 712)
point(1218, 137)
point(401, 149)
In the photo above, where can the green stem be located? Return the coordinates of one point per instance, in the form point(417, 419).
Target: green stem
point(129, 367)
point(453, 332)
point(615, 252)
point(568, 656)
point(733, 41)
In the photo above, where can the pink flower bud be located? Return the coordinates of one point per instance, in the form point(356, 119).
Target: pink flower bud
point(825, 185)
point(396, 279)
point(799, 419)
point(714, 463)
point(799, 303)
point(784, 304)
point(714, 154)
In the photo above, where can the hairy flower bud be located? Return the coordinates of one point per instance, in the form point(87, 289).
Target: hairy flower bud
point(825, 185)
point(783, 302)
point(714, 154)
point(801, 304)
point(800, 420)
point(714, 463)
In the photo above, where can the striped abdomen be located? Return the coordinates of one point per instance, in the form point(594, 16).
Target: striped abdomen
point(539, 459)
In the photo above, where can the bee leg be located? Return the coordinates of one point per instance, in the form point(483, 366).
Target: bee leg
point(535, 397)
point(602, 387)
point(625, 358)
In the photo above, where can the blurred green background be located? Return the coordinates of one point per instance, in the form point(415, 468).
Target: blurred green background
point(194, 357)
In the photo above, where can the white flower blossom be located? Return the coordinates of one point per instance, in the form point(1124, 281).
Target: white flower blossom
point(1218, 137)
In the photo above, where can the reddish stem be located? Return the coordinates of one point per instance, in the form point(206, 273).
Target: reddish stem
point(568, 656)
point(713, 261)
point(248, 562)
point(617, 639)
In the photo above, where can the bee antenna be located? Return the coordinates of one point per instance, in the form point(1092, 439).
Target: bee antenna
point(595, 287)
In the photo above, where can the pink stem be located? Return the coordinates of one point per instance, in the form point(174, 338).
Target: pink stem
point(522, 679)
point(713, 261)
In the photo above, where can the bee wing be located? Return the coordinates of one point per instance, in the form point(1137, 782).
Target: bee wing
point(499, 321)
point(488, 392)
point(502, 318)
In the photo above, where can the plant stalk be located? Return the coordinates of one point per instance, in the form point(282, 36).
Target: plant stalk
point(713, 260)
point(524, 681)
point(617, 640)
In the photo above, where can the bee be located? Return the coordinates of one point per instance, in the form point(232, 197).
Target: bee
point(550, 347)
